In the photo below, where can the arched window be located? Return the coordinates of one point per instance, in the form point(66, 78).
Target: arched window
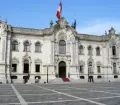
point(81, 50)
point(14, 45)
point(97, 51)
point(89, 50)
point(114, 68)
point(62, 47)
point(26, 46)
point(37, 47)
point(113, 50)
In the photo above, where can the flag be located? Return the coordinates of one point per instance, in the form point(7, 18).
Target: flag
point(75, 24)
point(59, 11)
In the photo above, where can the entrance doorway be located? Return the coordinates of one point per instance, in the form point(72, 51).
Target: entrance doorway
point(62, 69)
point(90, 72)
point(26, 66)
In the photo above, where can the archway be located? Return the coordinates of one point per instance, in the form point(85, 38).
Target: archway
point(90, 72)
point(26, 66)
point(26, 70)
point(62, 69)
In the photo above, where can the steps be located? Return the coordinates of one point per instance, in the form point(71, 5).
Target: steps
point(65, 79)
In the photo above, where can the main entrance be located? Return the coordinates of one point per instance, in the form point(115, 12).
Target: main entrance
point(62, 69)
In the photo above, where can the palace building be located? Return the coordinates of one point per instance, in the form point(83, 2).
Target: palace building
point(59, 51)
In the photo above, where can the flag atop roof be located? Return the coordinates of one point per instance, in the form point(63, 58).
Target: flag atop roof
point(59, 11)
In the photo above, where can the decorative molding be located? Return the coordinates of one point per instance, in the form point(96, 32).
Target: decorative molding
point(15, 60)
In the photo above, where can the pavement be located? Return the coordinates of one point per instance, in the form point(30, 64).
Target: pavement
point(60, 94)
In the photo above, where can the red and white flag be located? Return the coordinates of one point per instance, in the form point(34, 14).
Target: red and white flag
point(59, 11)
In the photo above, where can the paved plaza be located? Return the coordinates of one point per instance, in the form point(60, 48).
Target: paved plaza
point(60, 94)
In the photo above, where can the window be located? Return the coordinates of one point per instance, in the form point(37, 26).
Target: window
point(99, 76)
point(98, 69)
point(97, 51)
point(89, 50)
point(81, 50)
point(114, 68)
point(82, 77)
point(13, 77)
point(81, 68)
point(14, 67)
point(26, 46)
point(113, 50)
point(15, 46)
point(37, 47)
point(37, 68)
point(115, 76)
point(62, 47)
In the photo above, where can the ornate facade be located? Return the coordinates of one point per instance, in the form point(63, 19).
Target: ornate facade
point(57, 52)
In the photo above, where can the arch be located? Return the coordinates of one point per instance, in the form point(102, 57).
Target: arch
point(26, 61)
point(62, 47)
point(62, 69)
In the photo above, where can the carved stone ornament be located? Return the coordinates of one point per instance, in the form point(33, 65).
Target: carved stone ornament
point(15, 60)
point(62, 36)
point(62, 23)
point(3, 27)
point(38, 60)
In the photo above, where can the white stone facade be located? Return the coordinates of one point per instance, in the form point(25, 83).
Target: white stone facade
point(34, 54)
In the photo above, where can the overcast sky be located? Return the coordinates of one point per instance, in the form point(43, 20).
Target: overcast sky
point(92, 16)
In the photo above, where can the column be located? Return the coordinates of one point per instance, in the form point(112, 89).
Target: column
point(3, 48)
point(72, 53)
point(56, 48)
point(52, 52)
point(68, 48)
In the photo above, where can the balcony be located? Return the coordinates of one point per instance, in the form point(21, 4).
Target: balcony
point(114, 57)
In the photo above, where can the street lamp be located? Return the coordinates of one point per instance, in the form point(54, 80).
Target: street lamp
point(47, 74)
point(88, 74)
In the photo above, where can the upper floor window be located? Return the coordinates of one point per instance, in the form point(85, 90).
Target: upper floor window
point(37, 47)
point(97, 51)
point(26, 46)
point(81, 50)
point(113, 50)
point(62, 47)
point(89, 50)
point(15, 46)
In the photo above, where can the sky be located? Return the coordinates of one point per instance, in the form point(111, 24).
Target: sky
point(92, 16)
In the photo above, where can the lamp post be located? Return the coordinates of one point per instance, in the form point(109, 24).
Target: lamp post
point(47, 74)
point(88, 74)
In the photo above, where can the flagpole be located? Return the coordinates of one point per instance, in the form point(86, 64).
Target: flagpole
point(61, 10)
